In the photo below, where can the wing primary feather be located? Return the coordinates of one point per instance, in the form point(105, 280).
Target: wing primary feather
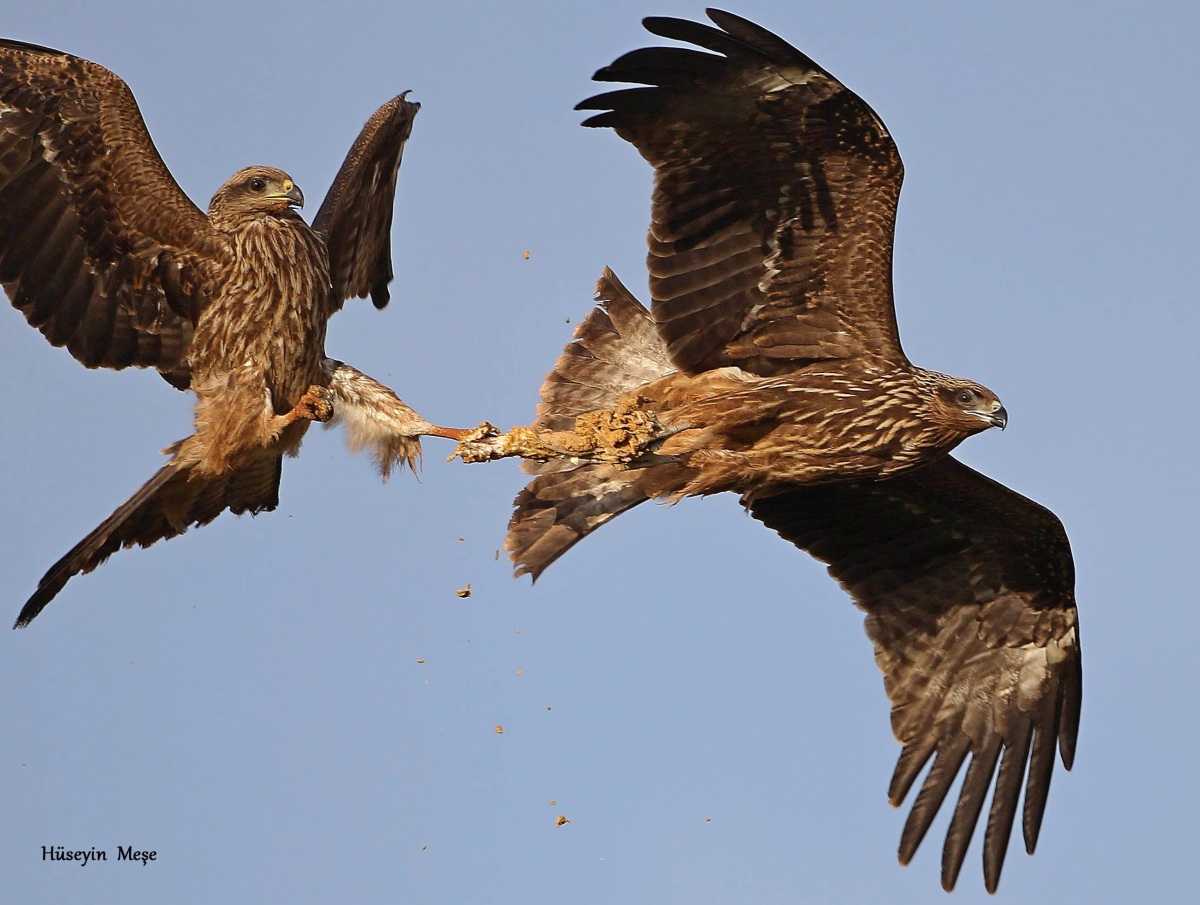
point(625, 100)
point(1037, 787)
point(966, 813)
point(693, 33)
point(1068, 730)
point(912, 761)
point(666, 67)
point(941, 776)
point(764, 42)
point(1004, 804)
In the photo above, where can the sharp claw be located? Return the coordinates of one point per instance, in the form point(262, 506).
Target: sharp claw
point(315, 405)
point(473, 445)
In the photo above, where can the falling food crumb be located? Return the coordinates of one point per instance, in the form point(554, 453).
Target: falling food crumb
point(423, 847)
point(499, 730)
point(520, 672)
point(708, 820)
point(420, 659)
point(547, 707)
point(525, 256)
point(562, 820)
point(464, 592)
point(461, 539)
point(553, 802)
point(496, 558)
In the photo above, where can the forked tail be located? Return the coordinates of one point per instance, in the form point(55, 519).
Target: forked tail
point(615, 350)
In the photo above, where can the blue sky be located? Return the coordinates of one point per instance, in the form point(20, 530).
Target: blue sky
point(694, 694)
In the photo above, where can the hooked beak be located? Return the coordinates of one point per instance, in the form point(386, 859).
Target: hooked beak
point(295, 197)
point(997, 417)
point(291, 195)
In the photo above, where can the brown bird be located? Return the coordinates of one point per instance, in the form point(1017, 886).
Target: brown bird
point(102, 251)
point(769, 364)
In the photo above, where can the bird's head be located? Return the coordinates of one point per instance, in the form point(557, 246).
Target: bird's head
point(968, 407)
point(255, 191)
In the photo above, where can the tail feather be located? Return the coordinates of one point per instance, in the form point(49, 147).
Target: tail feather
point(165, 506)
point(615, 350)
point(556, 511)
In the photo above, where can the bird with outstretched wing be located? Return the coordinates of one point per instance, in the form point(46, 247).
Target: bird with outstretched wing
point(103, 253)
point(769, 364)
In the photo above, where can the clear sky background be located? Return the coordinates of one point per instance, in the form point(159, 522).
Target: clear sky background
point(694, 694)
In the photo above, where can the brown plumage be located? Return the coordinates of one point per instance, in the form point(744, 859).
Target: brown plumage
point(769, 365)
point(104, 254)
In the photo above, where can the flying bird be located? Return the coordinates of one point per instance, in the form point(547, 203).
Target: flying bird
point(769, 365)
point(102, 252)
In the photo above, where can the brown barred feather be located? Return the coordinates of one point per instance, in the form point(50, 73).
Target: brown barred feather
point(776, 372)
point(104, 254)
point(775, 191)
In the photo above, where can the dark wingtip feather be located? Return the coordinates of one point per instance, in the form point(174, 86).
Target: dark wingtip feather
point(966, 814)
point(36, 603)
point(1004, 804)
point(1068, 730)
point(624, 100)
point(929, 800)
point(1037, 785)
point(912, 761)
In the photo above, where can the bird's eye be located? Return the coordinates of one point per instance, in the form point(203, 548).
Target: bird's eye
point(257, 184)
point(966, 397)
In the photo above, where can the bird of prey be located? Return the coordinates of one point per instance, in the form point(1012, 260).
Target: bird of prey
point(769, 364)
point(103, 253)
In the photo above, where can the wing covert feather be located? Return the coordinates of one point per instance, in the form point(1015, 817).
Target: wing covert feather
point(99, 247)
point(774, 202)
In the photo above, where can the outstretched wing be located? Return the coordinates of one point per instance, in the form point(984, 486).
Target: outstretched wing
point(99, 247)
point(356, 215)
point(774, 202)
point(969, 593)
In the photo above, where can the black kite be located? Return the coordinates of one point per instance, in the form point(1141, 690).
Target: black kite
point(102, 251)
point(769, 364)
